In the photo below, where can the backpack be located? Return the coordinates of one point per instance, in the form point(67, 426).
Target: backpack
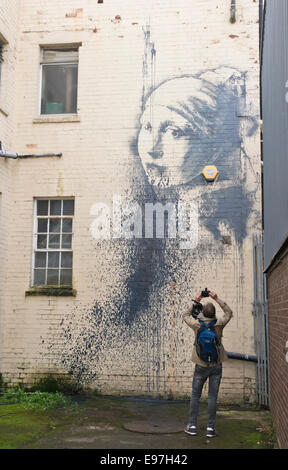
point(207, 343)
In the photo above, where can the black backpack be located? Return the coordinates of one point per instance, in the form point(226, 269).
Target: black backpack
point(207, 343)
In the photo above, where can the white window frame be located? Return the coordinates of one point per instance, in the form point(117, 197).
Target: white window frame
point(47, 249)
point(65, 47)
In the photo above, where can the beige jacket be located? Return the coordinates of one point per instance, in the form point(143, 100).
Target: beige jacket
point(220, 324)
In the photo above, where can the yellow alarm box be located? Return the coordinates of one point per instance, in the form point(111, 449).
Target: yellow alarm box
point(210, 172)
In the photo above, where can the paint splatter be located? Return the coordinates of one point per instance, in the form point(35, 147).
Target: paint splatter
point(128, 329)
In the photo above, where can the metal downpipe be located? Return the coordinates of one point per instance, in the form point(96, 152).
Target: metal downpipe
point(242, 357)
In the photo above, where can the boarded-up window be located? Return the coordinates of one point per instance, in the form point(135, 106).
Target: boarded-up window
point(59, 80)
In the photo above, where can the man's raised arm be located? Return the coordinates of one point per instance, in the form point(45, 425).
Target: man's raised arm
point(187, 315)
point(228, 314)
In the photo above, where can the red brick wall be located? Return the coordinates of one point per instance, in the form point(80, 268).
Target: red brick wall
point(278, 344)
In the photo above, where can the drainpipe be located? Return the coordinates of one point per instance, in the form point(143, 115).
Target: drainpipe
point(5, 154)
point(35, 155)
point(233, 11)
point(242, 357)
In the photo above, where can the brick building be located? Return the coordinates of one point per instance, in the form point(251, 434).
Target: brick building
point(275, 144)
point(129, 103)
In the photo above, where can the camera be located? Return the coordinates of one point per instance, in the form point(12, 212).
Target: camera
point(205, 293)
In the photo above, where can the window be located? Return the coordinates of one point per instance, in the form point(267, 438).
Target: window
point(59, 79)
point(53, 256)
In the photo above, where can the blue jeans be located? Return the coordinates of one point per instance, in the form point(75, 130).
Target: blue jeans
point(201, 374)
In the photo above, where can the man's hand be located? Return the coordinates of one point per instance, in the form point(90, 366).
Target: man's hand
point(198, 297)
point(213, 295)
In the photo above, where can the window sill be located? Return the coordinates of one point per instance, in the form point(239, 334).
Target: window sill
point(56, 291)
point(48, 118)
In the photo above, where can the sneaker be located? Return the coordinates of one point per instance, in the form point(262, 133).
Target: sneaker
point(192, 430)
point(210, 432)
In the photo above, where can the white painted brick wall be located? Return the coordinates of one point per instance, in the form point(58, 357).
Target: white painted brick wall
point(189, 37)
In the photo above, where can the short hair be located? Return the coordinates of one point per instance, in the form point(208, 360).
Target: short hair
point(209, 310)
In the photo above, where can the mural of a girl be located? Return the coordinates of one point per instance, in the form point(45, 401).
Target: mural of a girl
point(186, 123)
point(177, 117)
point(189, 122)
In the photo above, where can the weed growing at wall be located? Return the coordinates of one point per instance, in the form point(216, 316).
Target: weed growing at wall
point(37, 400)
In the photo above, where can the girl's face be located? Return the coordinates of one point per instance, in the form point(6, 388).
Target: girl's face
point(163, 143)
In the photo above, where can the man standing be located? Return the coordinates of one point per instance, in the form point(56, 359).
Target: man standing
point(206, 370)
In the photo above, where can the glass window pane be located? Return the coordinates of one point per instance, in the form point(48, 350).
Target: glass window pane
point(52, 276)
point(66, 241)
point(42, 207)
point(59, 88)
point(42, 225)
point(67, 225)
point(68, 207)
point(42, 241)
point(66, 277)
point(40, 260)
point(55, 225)
point(66, 260)
point(55, 207)
point(54, 241)
point(39, 277)
point(53, 259)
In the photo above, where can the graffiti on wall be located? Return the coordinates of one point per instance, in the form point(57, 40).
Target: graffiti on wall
point(185, 123)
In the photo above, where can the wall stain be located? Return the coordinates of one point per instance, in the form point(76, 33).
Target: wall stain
point(117, 19)
point(60, 188)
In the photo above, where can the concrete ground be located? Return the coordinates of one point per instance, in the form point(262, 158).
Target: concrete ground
point(134, 423)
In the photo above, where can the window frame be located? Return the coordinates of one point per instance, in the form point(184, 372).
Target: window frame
point(46, 250)
point(42, 62)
